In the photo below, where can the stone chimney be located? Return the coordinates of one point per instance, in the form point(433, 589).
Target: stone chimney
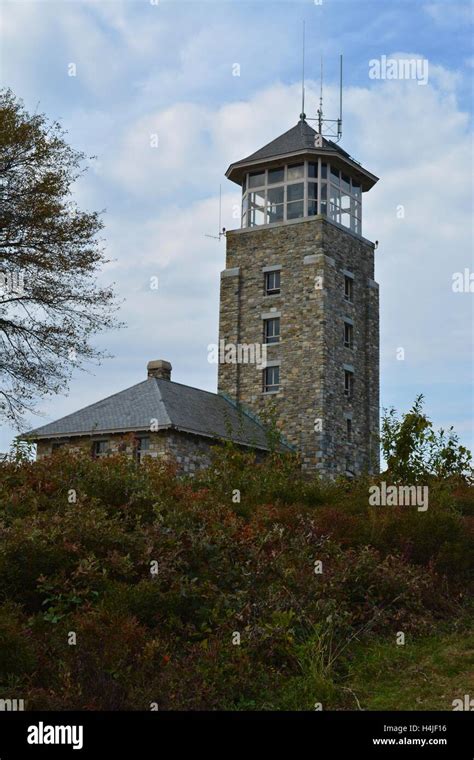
point(159, 368)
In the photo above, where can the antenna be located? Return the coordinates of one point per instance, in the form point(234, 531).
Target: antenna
point(302, 115)
point(320, 109)
point(339, 123)
point(330, 128)
point(220, 230)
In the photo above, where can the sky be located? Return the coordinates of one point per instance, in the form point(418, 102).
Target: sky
point(166, 94)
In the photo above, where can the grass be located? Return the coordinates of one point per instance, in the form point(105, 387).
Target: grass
point(427, 674)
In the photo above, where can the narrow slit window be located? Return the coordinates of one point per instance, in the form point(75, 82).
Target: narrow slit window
point(348, 289)
point(348, 383)
point(348, 335)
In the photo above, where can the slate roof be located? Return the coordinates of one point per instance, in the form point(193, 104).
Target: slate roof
point(296, 140)
point(299, 137)
point(173, 405)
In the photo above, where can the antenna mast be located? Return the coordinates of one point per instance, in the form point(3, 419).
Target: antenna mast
point(220, 230)
point(303, 115)
point(320, 109)
point(330, 128)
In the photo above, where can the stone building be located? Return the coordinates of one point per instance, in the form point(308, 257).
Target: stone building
point(155, 418)
point(299, 319)
point(299, 277)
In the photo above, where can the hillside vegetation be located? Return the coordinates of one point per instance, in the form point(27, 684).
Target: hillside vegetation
point(128, 588)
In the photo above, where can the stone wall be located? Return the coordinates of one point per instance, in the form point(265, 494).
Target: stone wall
point(190, 452)
point(311, 351)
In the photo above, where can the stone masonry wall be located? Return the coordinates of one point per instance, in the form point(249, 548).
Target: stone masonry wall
point(311, 351)
point(190, 452)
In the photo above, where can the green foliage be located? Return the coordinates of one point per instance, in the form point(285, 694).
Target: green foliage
point(414, 451)
point(225, 566)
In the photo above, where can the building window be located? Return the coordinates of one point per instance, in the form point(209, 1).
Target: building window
point(100, 448)
point(271, 330)
point(348, 289)
point(348, 335)
point(271, 379)
point(348, 383)
point(143, 448)
point(272, 283)
point(301, 190)
point(348, 430)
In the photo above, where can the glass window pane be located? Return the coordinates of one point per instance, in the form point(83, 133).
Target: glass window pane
point(324, 192)
point(274, 212)
point(356, 189)
point(256, 179)
point(276, 175)
point(244, 184)
point(334, 175)
point(296, 171)
point(334, 196)
point(258, 197)
point(356, 208)
point(312, 170)
point(295, 192)
point(346, 183)
point(256, 217)
point(272, 330)
point(257, 208)
point(313, 190)
point(271, 379)
point(324, 171)
point(345, 202)
point(272, 282)
point(334, 203)
point(294, 210)
point(276, 195)
point(346, 219)
point(312, 208)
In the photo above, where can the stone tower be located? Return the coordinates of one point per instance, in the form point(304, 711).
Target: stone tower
point(299, 283)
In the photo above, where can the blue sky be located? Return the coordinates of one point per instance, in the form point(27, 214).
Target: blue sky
point(166, 68)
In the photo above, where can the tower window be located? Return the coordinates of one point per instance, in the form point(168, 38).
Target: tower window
point(348, 383)
point(295, 172)
point(272, 283)
point(256, 179)
point(348, 335)
point(275, 204)
point(348, 429)
point(271, 379)
point(348, 289)
point(271, 330)
point(301, 190)
point(276, 175)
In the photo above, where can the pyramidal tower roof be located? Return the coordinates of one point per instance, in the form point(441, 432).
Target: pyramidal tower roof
point(299, 141)
point(299, 137)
